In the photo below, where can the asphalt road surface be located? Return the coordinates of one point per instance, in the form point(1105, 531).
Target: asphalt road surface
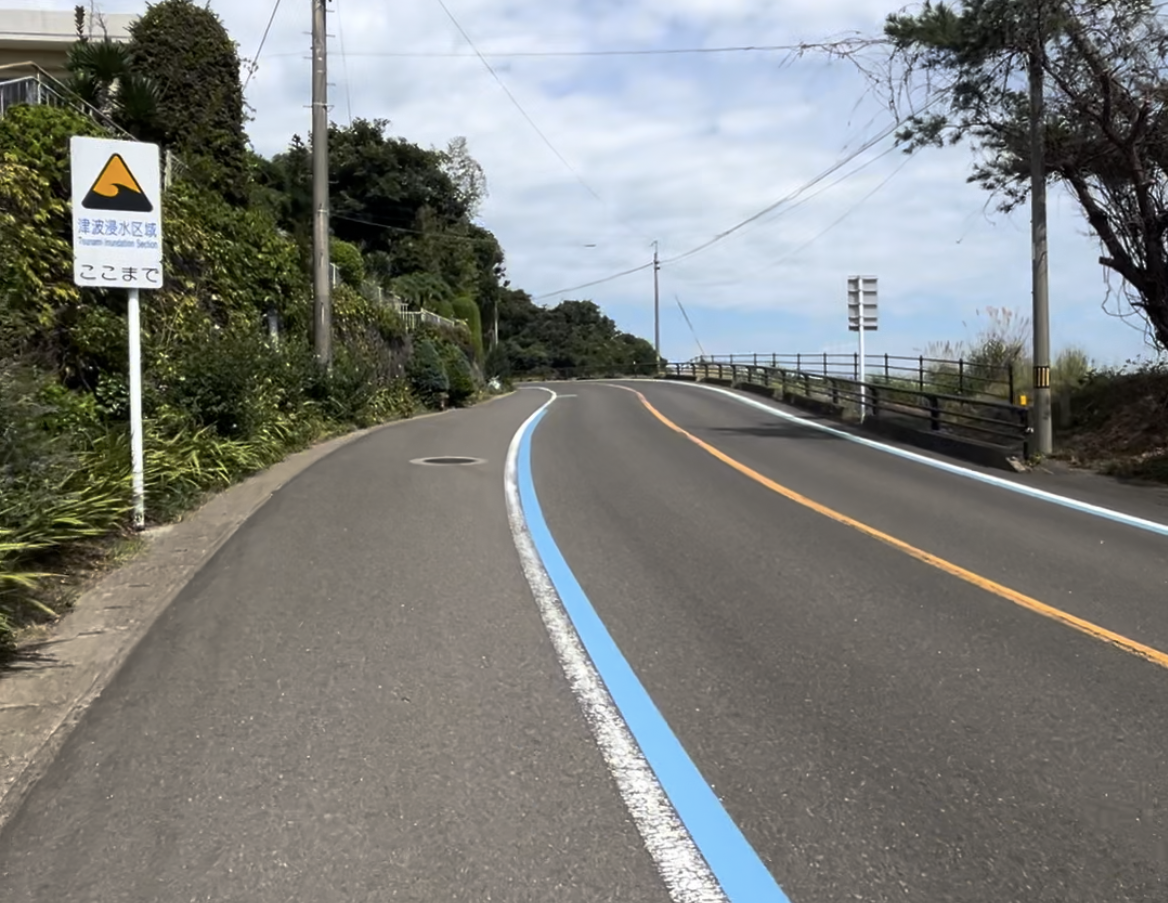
point(900, 683)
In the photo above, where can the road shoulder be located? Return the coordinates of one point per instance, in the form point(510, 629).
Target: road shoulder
point(44, 694)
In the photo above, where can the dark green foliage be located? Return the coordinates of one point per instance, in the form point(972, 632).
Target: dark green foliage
point(221, 399)
point(498, 366)
point(427, 373)
point(347, 258)
point(379, 184)
point(183, 48)
point(221, 379)
point(466, 310)
point(459, 376)
point(572, 336)
point(102, 73)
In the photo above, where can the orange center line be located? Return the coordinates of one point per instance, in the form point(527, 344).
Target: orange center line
point(1048, 611)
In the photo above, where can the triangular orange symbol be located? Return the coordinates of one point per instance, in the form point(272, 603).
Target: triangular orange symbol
point(117, 189)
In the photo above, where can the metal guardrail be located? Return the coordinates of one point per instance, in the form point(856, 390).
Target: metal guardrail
point(41, 89)
point(953, 377)
point(959, 415)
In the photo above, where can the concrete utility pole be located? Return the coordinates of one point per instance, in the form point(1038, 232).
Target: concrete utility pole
point(656, 309)
point(1043, 434)
point(322, 288)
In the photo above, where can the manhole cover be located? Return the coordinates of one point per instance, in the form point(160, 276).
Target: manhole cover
point(448, 459)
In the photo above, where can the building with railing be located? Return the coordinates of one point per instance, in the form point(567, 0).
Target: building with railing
point(37, 38)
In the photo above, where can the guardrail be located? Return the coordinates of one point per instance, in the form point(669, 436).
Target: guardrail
point(411, 318)
point(959, 415)
point(952, 377)
point(41, 89)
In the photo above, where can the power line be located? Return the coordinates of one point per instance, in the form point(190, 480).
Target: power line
point(830, 185)
point(762, 48)
point(438, 54)
point(419, 232)
point(573, 288)
point(852, 209)
point(835, 167)
point(839, 164)
point(701, 350)
point(256, 62)
point(523, 112)
point(867, 145)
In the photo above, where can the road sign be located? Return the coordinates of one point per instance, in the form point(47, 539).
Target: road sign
point(117, 214)
point(862, 302)
point(117, 243)
point(861, 319)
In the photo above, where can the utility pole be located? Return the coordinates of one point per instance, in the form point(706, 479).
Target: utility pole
point(322, 288)
point(1043, 434)
point(656, 310)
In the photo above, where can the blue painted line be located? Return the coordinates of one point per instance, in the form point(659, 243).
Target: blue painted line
point(731, 858)
point(1128, 520)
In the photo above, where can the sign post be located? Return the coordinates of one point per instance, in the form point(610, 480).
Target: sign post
point(861, 319)
point(117, 243)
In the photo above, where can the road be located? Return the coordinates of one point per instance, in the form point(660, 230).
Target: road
point(870, 679)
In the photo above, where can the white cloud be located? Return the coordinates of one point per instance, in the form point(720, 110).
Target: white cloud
point(680, 148)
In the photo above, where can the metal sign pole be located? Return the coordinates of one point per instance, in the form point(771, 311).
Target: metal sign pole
point(863, 372)
point(862, 317)
point(137, 457)
point(117, 244)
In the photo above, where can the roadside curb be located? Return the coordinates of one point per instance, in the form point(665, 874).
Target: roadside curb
point(42, 699)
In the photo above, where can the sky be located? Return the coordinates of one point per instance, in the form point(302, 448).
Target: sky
point(677, 148)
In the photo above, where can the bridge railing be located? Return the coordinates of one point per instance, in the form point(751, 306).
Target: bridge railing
point(948, 376)
point(988, 419)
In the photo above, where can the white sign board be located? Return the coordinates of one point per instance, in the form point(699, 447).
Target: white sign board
point(117, 214)
point(861, 302)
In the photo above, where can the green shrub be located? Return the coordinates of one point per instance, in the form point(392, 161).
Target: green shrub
point(466, 309)
point(347, 258)
point(427, 373)
point(219, 382)
point(459, 376)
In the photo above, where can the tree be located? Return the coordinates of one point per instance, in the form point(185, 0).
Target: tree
point(464, 171)
point(1106, 115)
point(381, 184)
point(573, 335)
point(186, 51)
point(102, 74)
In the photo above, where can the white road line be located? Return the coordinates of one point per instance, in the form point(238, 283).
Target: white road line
point(686, 875)
point(1129, 520)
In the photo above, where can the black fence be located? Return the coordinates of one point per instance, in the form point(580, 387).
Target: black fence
point(973, 416)
point(949, 377)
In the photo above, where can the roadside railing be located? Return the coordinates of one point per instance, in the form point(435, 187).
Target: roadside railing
point(411, 318)
point(41, 89)
point(987, 419)
point(948, 376)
